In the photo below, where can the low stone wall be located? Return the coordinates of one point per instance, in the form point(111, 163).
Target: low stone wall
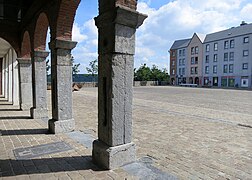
point(150, 83)
point(135, 84)
point(80, 84)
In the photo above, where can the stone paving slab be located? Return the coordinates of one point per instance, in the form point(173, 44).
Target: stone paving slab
point(191, 133)
point(40, 150)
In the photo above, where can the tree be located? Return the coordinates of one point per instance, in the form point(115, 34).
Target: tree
point(93, 68)
point(75, 67)
point(143, 73)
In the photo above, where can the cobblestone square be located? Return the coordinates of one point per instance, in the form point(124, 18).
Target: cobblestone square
point(190, 133)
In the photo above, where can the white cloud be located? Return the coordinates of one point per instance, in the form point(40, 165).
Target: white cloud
point(179, 19)
point(76, 32)
point(86, 50)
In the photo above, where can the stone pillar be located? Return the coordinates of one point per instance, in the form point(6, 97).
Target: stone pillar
point(39, 85)
point(10, 83)
point(117, 29)
point(25, 81)
point(61, 73)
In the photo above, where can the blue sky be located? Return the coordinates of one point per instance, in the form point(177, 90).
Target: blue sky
point(167, 21)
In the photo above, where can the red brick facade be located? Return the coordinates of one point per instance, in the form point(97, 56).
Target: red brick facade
point(173, 66)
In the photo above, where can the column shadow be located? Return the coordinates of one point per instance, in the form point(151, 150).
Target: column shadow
point(15, 117)
point(10, 167)
point(23, 132)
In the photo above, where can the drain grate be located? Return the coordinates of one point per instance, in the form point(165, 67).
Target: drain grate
point(40, 150)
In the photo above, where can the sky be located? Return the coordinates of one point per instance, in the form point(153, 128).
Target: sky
point(168, 20)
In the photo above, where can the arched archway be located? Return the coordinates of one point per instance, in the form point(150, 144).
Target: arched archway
point(8, 73)
point(39, 78)
point(65, 19)
point(190, 80)
point(26, 46)
point(196, 80)
point(40, 32)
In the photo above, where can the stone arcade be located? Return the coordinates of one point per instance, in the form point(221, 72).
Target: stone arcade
point(24, 25)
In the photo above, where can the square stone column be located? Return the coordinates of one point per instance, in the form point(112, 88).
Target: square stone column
point(61, 74)
point(39, 85)
point(25, 82)
point(117, 29)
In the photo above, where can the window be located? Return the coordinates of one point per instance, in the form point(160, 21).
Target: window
point(246, 40)
point(180, 71)
point(231, 68)
point(231, 82)
point(225, 56)
point(207, 48)
point(196, 70)
point(215, 58)
point(245, 52)
point(173, 63)
point(192, 60)
point(180, 53)
point(232, 43)
point(183, 61)
point(196, 60)
point(207, 58)
point(183, 52)
point(225, 44)
point(207, 70)
point(223, 81)
point(225, 68)
point(192, 50)
point(214, 69)
point(183, 71)
point(216, 46)
point(180, 62)
point(231, 56)
point(245, 66)
point(196, 50)
point(173, 53)
point(244, 81)
point(173, 71)
point(192, 70)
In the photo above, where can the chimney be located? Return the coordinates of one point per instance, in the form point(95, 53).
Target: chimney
point(243, 23)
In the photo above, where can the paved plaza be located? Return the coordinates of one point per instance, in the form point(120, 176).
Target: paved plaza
point(188, 133)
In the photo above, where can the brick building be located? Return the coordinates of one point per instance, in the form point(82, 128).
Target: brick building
point(220, 59)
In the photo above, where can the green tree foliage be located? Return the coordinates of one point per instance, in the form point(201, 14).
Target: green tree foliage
point(144, 73)
point(75, 67)
point(93, 67)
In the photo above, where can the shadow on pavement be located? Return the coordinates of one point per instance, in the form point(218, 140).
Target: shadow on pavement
point(24, 132)
point(10, 167)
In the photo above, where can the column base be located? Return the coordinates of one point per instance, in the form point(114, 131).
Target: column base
point(113, 157)
point(62, 126)
point(25, 107)
point(39, 113)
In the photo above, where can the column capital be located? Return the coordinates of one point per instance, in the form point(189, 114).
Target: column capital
point(62, 44)
point(41, 54)
point(24, 60)
point(133, 19)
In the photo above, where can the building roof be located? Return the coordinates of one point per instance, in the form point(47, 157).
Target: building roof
point(230, 33)
point(201, 37)
point(180, 43)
